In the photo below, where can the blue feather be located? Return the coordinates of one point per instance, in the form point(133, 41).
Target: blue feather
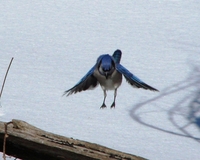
point(117, 56)
point(106, 62)
point(132, 79)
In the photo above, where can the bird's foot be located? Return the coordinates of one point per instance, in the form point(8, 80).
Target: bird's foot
point(113, 105)
point(103, 106)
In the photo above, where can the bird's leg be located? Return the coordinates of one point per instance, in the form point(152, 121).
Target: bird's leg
point(113, 104)
point(103, 105)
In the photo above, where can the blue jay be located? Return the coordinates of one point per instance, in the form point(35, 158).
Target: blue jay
point(108, 73)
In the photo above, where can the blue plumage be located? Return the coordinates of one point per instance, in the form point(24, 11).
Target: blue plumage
point(108, 73)
point(106, 63)
point(117, 56)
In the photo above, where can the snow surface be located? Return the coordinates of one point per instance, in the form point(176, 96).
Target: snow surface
point(54, 44)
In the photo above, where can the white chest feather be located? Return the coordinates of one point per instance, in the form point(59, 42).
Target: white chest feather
point(111, 83)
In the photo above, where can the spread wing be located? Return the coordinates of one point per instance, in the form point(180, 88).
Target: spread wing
point(87, 82)
point(132, 79)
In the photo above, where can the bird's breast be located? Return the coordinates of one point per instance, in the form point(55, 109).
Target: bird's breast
point(112, 82)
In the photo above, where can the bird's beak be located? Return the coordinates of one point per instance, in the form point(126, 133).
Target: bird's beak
point(106, 75)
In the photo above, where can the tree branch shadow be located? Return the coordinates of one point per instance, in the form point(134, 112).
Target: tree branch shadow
point(188, 108)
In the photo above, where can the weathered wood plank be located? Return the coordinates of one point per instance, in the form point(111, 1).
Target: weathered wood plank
point(28, 142)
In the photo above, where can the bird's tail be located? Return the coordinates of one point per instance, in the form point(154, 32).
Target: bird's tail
point(117, 56)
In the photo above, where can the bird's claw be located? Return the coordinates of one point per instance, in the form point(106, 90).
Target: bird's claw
point(103, 106)
point(113, 105)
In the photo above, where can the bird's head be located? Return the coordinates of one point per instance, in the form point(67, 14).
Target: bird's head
point(106, 65)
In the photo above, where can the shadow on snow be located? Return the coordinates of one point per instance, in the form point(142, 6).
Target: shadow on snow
point(188, 108)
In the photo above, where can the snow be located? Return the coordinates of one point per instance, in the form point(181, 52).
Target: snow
point(55, 43)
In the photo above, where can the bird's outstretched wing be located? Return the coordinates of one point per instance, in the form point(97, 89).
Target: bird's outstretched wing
point(87, 82)
point(117, 56)
point(132, 79)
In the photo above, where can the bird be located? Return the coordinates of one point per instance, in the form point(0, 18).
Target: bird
point(108, 73)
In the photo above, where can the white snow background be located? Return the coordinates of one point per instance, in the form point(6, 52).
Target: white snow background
point(55, 43)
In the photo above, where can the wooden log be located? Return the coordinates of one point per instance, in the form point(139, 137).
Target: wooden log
point(28, 142)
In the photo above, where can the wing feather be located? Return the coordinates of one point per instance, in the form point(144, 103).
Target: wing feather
point(87, 82)
point(132, 79)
